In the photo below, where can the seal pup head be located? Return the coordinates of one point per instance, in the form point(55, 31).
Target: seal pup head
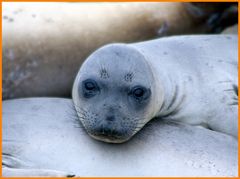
point(113, 93)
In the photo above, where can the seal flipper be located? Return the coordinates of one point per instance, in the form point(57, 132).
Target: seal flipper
point(14, 167)
point(12, 162)
point(17, 172)
point(234, 95)
point(229, 119)
point(235, 98)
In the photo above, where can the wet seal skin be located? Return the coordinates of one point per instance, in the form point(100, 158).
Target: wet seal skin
point(189, 79)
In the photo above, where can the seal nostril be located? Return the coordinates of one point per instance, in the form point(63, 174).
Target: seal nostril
point(110, 118)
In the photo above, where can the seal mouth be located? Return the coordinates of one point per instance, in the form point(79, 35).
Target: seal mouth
point(109, 138)
point(112, 136)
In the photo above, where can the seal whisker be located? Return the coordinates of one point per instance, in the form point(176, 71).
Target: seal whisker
point(80, 110)
point(79, 107)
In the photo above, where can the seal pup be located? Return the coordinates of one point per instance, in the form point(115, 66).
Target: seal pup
point(189, 79)
point(43, 137)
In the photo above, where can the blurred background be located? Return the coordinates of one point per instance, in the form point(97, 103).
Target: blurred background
point(44, 44)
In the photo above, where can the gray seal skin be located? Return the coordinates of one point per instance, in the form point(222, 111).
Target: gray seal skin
point(43, 137)
point(189, 79)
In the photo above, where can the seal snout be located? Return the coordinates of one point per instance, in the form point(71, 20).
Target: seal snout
point(110, 118)
point(108, 130)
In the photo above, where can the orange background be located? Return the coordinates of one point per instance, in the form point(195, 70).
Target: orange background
point(107, 1)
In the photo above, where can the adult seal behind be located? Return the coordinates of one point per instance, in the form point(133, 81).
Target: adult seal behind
point(43, 59)
point(189, 79)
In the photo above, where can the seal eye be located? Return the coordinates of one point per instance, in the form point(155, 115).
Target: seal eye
point(89, 85)
point(90, 88)
point(140, 93)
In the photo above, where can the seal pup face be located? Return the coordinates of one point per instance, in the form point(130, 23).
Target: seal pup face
point(113, 93)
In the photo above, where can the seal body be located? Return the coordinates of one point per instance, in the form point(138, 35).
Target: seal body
point(43, 137)
point(43, 59)
point(189, 79)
